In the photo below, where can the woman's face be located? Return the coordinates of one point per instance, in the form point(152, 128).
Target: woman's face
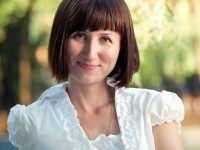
point(92, 55)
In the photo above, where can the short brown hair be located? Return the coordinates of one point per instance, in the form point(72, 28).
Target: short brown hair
point(79, 15)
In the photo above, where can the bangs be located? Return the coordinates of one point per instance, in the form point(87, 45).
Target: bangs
point(98, 15)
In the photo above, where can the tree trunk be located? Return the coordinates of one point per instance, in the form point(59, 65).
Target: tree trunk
point(15, 68)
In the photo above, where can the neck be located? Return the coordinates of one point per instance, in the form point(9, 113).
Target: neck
point(90, 98)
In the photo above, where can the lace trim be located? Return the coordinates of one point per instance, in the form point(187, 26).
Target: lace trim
point(72, 127)
point(177, 120)
point(127, 115)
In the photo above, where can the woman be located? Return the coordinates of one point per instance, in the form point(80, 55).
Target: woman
point(92, 46)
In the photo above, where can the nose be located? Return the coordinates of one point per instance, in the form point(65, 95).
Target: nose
point(91, 49)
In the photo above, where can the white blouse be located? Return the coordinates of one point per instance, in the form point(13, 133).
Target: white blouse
point(51, 122)
point(111, 142)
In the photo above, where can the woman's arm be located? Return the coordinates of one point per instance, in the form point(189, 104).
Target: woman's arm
point(166, 137)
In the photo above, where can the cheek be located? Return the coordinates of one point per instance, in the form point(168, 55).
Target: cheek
point(73, 47)
point(111, 57)
point(73, 52)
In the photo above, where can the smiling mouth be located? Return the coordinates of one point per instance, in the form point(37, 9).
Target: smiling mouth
point(87, 66)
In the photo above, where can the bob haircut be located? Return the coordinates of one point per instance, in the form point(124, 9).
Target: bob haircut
point(80, 15)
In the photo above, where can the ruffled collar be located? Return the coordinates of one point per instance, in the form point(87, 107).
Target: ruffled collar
point(126, 117)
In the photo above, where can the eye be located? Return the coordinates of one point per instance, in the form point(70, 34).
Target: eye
point(106, 40)
point(80, 36)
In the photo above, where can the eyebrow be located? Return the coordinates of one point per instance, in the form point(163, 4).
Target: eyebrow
point(108, 33)
point(105, 34)
point(102, 33)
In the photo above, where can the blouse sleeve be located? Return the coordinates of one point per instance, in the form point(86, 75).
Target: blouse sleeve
point(166, 107)
point(18, 129)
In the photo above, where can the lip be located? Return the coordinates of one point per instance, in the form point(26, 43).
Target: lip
point(87, 66)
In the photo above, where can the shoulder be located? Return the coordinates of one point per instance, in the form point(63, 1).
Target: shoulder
point(138, 96)
point(49, 95)
point(53, 92)
point(148, 97)
point(50, 99)
point(52, 95)
point(160, 107)
point(23, 119)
